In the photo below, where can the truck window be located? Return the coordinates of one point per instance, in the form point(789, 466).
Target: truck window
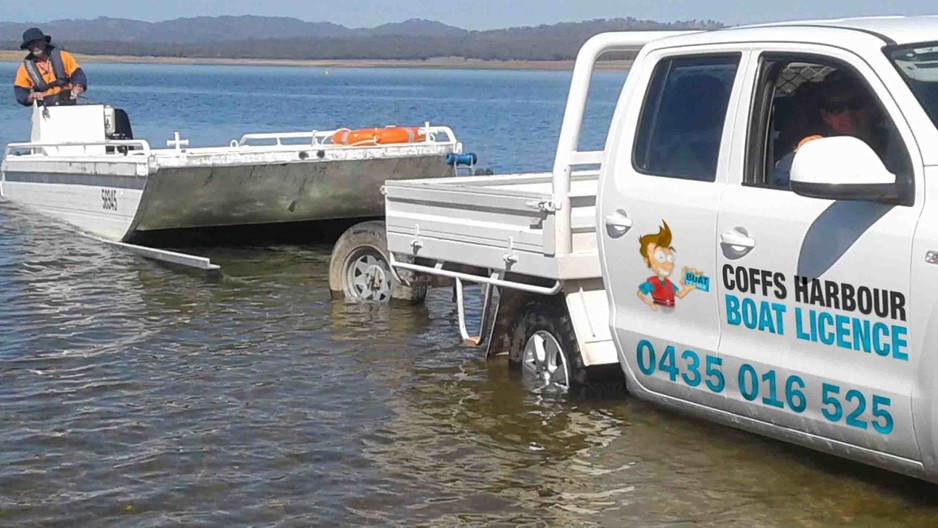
point(683, 115)
point(918, 65)
point(799, 98)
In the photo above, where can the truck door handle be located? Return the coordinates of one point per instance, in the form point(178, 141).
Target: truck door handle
point(737, 239)
point(618, 223)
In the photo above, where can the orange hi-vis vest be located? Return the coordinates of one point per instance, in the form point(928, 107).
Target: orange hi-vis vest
point(47, 77)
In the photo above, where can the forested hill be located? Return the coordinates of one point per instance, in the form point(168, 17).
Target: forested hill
point(254, 37)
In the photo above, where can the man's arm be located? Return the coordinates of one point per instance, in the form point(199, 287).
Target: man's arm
point(22, 85)
point(22, 95)
point(644, 293)
point(78, 78)
point(76, 75)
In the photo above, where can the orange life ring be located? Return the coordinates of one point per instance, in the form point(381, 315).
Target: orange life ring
point(377, 136)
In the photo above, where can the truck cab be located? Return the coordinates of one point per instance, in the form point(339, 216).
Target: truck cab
point(762, 221)
point(745, 247)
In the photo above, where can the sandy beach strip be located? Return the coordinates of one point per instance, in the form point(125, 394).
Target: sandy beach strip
point(437, 63)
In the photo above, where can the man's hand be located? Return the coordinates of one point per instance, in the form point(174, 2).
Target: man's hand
point(692, 271)
point(33, 97)
point(647, 300)
point(77, 90)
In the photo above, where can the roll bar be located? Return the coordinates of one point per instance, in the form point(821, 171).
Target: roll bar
point(567, 154)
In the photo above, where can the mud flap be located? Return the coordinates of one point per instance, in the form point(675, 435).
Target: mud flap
point(588, 307)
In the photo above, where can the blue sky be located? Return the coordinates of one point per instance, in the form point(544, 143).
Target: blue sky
point(469, 14)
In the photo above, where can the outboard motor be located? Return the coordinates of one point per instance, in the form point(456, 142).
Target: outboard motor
point(117, 123)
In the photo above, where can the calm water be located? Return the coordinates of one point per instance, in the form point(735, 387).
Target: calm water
point(132, 394)
point(511, 119)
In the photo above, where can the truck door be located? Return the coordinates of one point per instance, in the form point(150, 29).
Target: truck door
point(657, 222)
point(813, 293)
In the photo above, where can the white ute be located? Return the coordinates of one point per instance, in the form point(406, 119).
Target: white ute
point(735, 271)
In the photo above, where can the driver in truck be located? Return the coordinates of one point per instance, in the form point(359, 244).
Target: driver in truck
point(844, 108)
point(48, 75)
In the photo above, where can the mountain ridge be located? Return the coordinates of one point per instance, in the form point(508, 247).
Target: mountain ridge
point(263, 37)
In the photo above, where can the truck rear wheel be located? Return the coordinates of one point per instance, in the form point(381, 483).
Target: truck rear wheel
point(359, 270)
point(544, 347)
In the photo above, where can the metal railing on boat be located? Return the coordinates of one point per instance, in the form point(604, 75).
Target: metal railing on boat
point(132, 147)
point(324, 138)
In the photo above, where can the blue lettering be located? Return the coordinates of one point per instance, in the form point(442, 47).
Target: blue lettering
point(825, 319)
point(765, 318)
point(843, 332)
point(812, 315)
point(732, 310)
point(861, 335)
point(898, 342)
point(881, 348)
point(779, 310)
point(645, 348)
point(701, 282)
point(799, 328)
point(749, 314)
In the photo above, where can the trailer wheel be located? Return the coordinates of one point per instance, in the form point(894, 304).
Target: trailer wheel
point(544, 347)
point(359, 270)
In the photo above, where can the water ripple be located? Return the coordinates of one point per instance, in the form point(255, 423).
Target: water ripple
point(138, 395)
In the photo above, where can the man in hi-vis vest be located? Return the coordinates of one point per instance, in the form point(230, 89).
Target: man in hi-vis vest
point(48, 75)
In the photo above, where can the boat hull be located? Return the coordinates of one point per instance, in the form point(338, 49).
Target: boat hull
point(120, 207)
point(102, 205)
point(196, 197)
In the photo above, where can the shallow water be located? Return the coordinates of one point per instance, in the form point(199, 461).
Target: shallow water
point(137, 394)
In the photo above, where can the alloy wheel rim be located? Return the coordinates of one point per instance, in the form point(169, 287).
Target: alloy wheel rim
point(543, 360)
point(367, 276)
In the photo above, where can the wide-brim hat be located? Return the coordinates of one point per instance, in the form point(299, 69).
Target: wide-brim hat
point(32, 35)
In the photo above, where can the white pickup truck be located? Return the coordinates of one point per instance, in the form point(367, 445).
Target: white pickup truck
point(735, 270)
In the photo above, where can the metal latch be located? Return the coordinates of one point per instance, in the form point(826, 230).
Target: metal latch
point(510, 257)
point(415, 243)
point(548, 206)
point(931, 257)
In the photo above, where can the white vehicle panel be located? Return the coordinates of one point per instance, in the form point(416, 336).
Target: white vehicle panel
point(499, 223)
point(670, 347)
point(923, 314)
point(786, 336)
point(796, 352)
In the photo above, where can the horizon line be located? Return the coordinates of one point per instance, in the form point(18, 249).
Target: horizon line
point(52, 21)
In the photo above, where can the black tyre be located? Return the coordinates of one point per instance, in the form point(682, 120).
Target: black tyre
point(544, 347)
point(359, 270)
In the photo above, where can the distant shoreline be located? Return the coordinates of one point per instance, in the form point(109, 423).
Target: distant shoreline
point(436, 63)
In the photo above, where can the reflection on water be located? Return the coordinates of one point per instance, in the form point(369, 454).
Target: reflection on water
point(140, 395)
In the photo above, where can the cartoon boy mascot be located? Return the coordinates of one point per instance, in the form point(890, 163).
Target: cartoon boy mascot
point(658, 290)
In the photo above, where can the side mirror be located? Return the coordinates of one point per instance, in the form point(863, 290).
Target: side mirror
point(844, 168)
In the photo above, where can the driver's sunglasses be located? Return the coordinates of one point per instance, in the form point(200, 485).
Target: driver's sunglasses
point(855, 103)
